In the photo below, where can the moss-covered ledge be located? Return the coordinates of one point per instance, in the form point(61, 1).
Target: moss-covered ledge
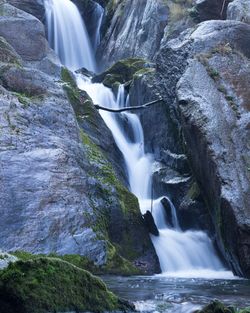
point(123, 72)
point(52, 285)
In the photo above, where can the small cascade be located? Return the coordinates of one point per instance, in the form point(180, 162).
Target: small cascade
point(97, 16)
point(180, 253)
point(68, 36)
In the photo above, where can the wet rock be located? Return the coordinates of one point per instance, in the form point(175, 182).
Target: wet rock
point(216, 307)
point(169, 182)
point(150, 224)
point(239, 10)
point(168, 211)
point(91, 13)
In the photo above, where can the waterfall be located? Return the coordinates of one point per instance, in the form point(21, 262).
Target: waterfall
point(180, 253)
point(68, 36)
point(98, 16)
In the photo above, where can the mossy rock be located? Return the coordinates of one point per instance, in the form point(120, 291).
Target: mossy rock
point(52, 285)
point(123, 72)
point(115, 264)
point(216, 307)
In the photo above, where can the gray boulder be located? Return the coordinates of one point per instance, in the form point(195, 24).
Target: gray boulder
point(33, 7)
point(29, 41)
point(239, 10)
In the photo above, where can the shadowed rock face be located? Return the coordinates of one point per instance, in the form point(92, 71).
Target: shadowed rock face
point(57, 184)
point(136, 29)
point(211, 9)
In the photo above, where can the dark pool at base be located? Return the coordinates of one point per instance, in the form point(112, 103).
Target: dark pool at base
point(163, 294)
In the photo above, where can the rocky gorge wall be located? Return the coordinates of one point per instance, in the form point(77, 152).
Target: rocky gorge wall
point(199, 133)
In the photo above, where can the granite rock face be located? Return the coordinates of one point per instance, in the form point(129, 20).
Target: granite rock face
point(212, 96)
point(239, 10)
point(136, 29)
point(57, 180)
point(34, 7)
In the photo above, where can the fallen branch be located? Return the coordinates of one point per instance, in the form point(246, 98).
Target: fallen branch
point(144, 106)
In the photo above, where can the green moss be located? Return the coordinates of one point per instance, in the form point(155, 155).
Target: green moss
point(115, 263)
point(110, 186)
point(47, 284)
point(216, 307)
point(67, 77)
point(194, 191)
point(246, 310)
point(123, 71)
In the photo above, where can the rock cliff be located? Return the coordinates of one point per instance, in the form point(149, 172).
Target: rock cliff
point(59, 190)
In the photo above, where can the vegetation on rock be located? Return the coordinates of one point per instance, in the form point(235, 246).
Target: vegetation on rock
point(52, 285)
point(218, 307)
point(123, 71)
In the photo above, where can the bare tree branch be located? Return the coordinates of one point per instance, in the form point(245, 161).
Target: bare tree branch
point(144, 106)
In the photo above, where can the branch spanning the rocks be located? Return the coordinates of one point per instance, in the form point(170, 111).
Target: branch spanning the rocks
point(144, 106)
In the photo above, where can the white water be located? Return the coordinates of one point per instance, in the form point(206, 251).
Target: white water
point(98, 16)
point(189, 253)
point(68, 36)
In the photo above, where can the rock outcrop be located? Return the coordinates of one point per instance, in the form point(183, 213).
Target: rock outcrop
point(136, 29)
point(59, 192)
point(33, 7)
point(239, 10)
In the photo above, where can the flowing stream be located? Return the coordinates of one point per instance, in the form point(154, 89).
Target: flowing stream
point(181, 254)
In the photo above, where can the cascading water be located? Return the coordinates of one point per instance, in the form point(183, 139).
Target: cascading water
point(180, 253)
point(98, 16)
point(68, 36)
